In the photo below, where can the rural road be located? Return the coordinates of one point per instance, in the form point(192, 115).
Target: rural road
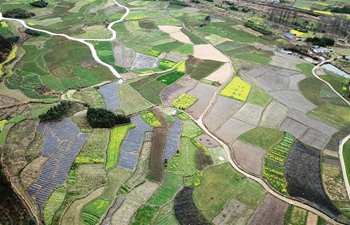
point(200, 119)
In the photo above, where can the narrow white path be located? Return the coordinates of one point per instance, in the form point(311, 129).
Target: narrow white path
point(342, 163)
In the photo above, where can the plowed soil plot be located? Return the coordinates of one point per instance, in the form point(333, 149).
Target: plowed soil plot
point(204, 93)
point(110, 94)
point(156, 171)
point(307, 185)
point(222, 110)
point(172, 92)
point(249, 157)
point(185, 210)
point(282, 85)
point(144, 62)
point(271, 211)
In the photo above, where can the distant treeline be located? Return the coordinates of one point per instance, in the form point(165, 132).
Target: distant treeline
point(344, 9)
point(250, 24)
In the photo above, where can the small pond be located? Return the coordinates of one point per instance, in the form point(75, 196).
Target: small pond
point(335, 70)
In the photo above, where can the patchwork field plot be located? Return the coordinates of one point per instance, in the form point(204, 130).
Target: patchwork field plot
point(274, 163)
point(110, 94)
point(117, 137)
point(265, 138)
point(249, 157)
point(303, 185)
point(175, 33)
point(222, 110)
point(221, 74)
point(249, 113)
point(150, 119)
point(142, 61)
point(172, 92)
point(232, 129)
point(333, 181)
point(206, 51)
point(132, 144)
point(173, 139)
point(156, 165)
point(273, 115)
point(204, 93)
point(271, 210)
point(55, 170)
point(130, 100)
point(237, 89)
point(94, 150)
point(228, 183)
point(184, 101)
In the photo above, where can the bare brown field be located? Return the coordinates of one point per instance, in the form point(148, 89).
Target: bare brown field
point(249, 113)
point(204, 93)
point(231, 129)
point(234, 212)
point(271, 211)
point(293, 127)
point(156, 170)
point(249, 157)
point(170, 93)
point(222, 110)
point(207, 141)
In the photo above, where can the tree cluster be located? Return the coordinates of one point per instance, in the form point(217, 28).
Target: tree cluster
point(323, 41)
point(103, 118)
point(18, 13)
point(344, 9)
point(39, 4)
point(32, 32)
point(56, 112)
point(250, 24)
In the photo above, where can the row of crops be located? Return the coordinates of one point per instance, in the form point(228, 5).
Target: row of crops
point(274, 163)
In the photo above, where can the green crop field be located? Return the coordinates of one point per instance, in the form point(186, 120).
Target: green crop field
point(227, 183)
point(346, 155)
point(255, 58)
point(194, 39)
point(187, 163)
point(258, 96)
point(53, 204)
point(186, 49)
point(265, 138)
point(306, 69)
point(190, 129)
point(117, 136)
point(204, 69)
point(168, 46)
point(145, 214)
point(167, 191)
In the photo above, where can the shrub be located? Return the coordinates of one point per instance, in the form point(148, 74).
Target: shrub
point(18, 13)
point(32, 32)
point(103, 118)
point(39, 4)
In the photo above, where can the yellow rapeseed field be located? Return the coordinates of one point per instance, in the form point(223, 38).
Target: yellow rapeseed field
point(324, 12)
point(301, 34)
point(237, 88)
point(184, 101)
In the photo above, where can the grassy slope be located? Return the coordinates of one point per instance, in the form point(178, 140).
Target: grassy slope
point(346, 155)
point(258, 96)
